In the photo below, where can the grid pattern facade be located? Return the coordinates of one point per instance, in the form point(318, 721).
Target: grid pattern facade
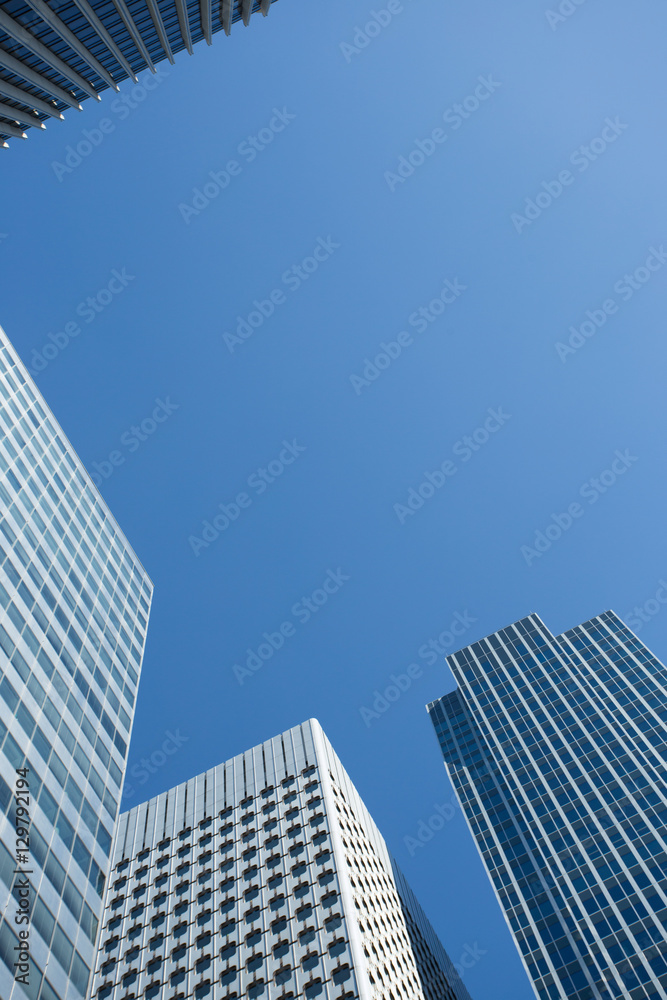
point(260, 879)
point(556, 748)
point(53, 55)
point(74, 604)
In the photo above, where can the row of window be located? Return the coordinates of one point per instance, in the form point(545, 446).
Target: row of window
point(83, 501)
point(247, 874)
point(75, 748)
point(232, 926)
point(57, 817)
point(79, 972)
point(80, 608)
point(606, 926)
point(181, 843)
point(297, 889)
point(254, 938)
point(42, 745)
point(55, 873)
point(49, 756)
point(52, 511)
point(130, 968)
point(72, 702)
point(258, 988)
point(89, 648)
point(167, 865)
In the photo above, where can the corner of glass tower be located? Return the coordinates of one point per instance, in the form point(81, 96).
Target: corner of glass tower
point(74, 606)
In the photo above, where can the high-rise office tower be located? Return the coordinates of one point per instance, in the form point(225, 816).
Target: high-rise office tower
point(74, 605)
point(556, 748)
point(266, 878)
point(55, 54)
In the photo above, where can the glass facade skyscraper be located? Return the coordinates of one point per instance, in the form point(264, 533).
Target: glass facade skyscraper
point(74, 604)
point(556, 748)
point(54, 55)
point(265, 878)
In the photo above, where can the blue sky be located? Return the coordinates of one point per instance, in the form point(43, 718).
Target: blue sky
point(335, 507)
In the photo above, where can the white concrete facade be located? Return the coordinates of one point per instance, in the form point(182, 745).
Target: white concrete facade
point(265, 877)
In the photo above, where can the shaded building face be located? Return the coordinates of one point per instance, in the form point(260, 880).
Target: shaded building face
point(556, 748)
point(265, 877)
point(74, 605)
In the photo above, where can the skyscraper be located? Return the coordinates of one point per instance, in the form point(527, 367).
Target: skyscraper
point(556, 748)
point(265, 877)
point(74, 604)
point(53, 55)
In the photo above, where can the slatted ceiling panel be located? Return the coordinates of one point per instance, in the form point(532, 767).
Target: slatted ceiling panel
point(144, 25)
point(82, 19)
point(171, 19)
point(206, 17)
point(56, 82)
point(110, 41)
point(23, 72)
point(47, 53)
point(160, 29)
point(23, 96)
point(75, 43)
point(117, 27)
point(184, 24)
point(45, 44)
point(134, 34)
point(105, 36)
point(12, 131)
point(226, 15)
point(15, 114)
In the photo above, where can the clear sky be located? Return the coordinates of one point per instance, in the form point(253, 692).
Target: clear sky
point(539, 200)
